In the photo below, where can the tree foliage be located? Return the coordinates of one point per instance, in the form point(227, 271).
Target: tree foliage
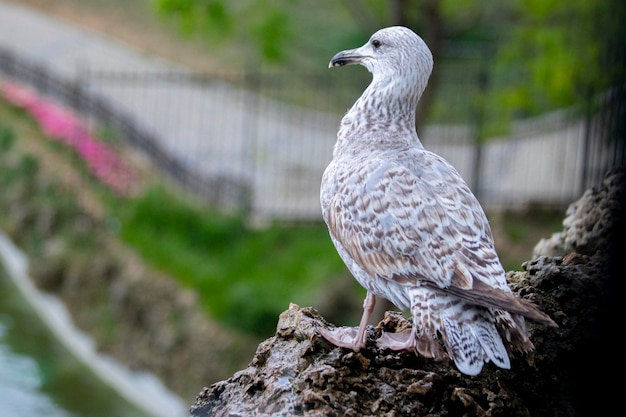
point(265, 24)
point(560, 48)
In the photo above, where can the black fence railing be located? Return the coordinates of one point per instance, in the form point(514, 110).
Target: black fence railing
point(259, 142)
point(75, 94)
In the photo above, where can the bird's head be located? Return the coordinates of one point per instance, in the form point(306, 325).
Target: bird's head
point(391, 53)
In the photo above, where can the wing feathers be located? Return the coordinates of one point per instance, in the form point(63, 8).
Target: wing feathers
point(404, 232)
point(486, 296)
point(415, 230)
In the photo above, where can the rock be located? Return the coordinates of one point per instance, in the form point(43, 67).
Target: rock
point(590, 222)
point(296, 372)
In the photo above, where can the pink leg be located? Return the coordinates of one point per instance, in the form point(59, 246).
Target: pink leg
point(345, 336)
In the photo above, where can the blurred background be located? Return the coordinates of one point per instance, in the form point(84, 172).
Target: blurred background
point(160, 163)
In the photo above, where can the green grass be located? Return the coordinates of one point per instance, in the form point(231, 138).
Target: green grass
point(518, 231)
point(244, 277)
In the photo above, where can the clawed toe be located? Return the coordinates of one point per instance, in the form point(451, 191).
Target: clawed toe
point(403, 340)
point(346, 337)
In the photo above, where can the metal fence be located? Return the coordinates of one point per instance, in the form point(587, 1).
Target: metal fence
point(259, 142)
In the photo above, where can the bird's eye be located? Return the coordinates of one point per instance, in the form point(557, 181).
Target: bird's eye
point(376, 43)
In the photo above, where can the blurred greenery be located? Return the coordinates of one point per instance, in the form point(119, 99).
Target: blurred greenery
point(245, 277)
point(561, 47)
point(262, 31)
point(7, 138)
point(51, 208)
point(516, 232)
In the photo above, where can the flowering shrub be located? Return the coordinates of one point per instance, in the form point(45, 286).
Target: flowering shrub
point(63, 125)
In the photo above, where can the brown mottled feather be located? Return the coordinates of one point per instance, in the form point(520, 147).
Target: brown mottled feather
point(407, 225)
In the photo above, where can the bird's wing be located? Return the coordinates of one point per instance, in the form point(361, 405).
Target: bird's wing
point(413, 219)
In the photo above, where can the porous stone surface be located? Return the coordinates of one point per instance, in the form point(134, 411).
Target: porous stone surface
point(592, 222)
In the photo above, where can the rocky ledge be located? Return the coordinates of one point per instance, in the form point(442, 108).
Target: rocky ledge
point(577, 369)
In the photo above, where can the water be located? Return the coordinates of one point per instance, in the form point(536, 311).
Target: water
point(42, 374)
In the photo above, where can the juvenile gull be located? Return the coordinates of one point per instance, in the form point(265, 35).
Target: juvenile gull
point(408, 227)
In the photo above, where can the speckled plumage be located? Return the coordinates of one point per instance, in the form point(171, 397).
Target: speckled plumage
point(407, 225)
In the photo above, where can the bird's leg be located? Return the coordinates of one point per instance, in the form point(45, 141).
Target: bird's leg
point(404, 340)
point(345, 336)
point(368, 307)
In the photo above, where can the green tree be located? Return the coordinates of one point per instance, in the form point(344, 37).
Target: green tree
point(560, 50)
point(264, 23)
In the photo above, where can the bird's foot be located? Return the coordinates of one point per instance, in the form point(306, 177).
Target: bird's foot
point(346, 337)
point(404, 340)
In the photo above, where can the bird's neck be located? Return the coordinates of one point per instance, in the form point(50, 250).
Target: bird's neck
point(384, 114)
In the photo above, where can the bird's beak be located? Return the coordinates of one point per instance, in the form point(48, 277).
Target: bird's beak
point(348, 57)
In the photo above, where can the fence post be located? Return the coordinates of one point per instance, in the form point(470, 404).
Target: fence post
point(479, 117)
point(250, 157)
point(586, 169)
point(8, 62)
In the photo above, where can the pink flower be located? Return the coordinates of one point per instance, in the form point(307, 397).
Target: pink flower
point(17, 95)
point(63, 125)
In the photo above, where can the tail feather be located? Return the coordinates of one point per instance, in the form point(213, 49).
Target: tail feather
point(472, 335)
point(512, 328)
point(428, 346)
point(490, 341)
point(463, 347)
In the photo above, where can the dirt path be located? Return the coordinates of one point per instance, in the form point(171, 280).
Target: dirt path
point(135, 23)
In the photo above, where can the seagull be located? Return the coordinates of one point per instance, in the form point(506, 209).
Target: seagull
point(408, 227)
